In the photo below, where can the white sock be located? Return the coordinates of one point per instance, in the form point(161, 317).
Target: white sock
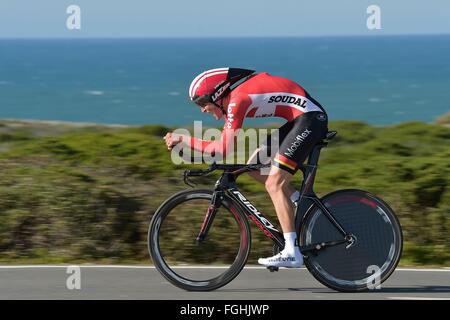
point(295, 196)
point(289, 246)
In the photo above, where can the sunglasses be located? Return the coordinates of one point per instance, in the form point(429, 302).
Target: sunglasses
point(201, 101)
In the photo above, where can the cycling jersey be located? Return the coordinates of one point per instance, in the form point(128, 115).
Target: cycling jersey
point(261, 95)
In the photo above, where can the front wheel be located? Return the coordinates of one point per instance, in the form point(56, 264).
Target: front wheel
point(373, 256)
point(193, 265)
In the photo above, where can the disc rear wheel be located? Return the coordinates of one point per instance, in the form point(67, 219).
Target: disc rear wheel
point(377, 245)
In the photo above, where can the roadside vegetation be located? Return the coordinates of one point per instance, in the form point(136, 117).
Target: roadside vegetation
point(73, 194)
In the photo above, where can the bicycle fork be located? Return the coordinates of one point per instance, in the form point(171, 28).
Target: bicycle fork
point(209, 217)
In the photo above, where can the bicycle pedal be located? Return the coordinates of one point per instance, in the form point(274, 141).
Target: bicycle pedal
point(273, 269)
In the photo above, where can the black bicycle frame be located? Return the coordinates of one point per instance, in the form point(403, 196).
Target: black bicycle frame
point(227, 184)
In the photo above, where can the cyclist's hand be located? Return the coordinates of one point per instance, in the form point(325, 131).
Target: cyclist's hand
point(172, 139)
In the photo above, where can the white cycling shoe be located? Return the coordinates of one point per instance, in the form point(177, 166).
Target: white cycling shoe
point(283, 260)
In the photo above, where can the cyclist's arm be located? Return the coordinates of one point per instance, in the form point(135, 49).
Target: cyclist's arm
point(236, 111)
point(222, 146)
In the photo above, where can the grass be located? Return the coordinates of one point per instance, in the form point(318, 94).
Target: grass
point(74, 194)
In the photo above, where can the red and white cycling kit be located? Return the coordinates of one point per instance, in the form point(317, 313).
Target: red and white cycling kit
point(265, 95)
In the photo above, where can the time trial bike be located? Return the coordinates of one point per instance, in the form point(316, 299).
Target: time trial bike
point(350, 239)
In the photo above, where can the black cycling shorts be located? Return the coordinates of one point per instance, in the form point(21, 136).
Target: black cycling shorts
point(296, 140)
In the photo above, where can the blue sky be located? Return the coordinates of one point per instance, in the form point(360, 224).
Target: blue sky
point(232, 18)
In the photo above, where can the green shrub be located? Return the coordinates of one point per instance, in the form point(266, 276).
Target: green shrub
point(88, 195)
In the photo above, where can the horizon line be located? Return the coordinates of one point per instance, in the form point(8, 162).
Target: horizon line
point(222, 37)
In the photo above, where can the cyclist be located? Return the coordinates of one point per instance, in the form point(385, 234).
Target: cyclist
point(235, 94)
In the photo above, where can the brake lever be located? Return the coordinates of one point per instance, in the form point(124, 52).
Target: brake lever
point(197, 173)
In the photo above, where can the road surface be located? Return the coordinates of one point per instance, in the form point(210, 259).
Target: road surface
point(254, 283)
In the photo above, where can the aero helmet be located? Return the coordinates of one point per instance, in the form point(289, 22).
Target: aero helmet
point(212, 85)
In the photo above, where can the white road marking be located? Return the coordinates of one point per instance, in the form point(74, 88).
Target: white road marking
point(118, 267)
point(446, 269)
point(416, 298)
point(424, 270)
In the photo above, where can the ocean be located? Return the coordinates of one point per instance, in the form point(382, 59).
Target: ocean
point(380, 80)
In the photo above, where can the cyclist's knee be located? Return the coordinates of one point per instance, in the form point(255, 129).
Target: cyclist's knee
point(277, 182)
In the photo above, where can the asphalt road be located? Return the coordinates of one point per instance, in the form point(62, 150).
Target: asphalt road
point(254, 283)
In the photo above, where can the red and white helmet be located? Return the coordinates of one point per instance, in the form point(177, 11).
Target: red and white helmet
point(212, 85)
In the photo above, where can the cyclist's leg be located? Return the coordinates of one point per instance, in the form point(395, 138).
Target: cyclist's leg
point(261, 176)
point(306, 132)
point(277, 185)
point(266, 152)
point(254, 158)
